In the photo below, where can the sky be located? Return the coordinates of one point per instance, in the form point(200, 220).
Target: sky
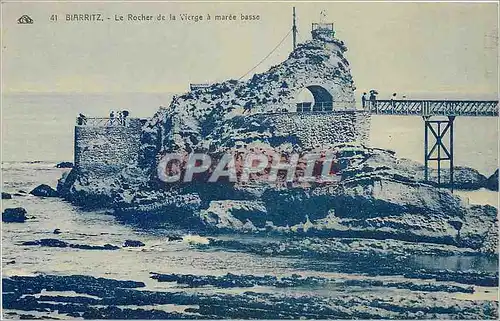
point(394, 47)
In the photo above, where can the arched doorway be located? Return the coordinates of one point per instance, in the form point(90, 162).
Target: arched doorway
point(314, 98)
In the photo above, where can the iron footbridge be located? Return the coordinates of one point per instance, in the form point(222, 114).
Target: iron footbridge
point(438, 132)
point(430, 108)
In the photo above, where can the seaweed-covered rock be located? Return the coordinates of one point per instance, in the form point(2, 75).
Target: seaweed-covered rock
point(64, 165)
point(101, 298)
point(14, 215)
point(44, 190)
point(464, 178)
point(133, 243)
point(6, 196)
point(480, 230)
point(235, 215)
point(60, 243)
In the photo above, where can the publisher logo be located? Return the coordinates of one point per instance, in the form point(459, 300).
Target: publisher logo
point(25, 20)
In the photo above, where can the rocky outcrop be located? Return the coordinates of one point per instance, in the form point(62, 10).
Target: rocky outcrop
point(235, 215)
point(248, 281)
point(44, 190)
point(77, 188)
point(133, 243)
point(64, 165)
point(492, 182)
point(187, 124)
point(104, 298)
point(60, 243)
point(377, 198)
point(481, 229)
point(14, 215)
point(6, 196)
point(464, 178)
point(378, 195)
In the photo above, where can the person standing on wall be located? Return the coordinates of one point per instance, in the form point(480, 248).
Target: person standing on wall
point(363, 100)
point(120, 118)
point(125, 114)
point(82, 119)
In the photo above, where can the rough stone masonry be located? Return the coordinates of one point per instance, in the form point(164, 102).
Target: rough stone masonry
point(106, 150)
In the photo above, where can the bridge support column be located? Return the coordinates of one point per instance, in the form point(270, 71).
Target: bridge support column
point(439, 152)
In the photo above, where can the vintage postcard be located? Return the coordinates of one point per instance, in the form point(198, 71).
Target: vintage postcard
point(249, 160)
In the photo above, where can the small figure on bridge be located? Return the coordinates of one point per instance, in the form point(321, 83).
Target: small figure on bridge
point(393, 97)
point(363, 100)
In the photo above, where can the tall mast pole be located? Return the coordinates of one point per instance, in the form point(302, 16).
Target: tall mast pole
point(294, 29)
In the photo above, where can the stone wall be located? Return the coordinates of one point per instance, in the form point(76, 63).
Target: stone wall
point(103, 151)
point(363, 125)
point(319, 128)
point(106, 150)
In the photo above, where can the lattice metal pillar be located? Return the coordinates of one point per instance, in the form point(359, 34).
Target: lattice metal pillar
point(439, 152)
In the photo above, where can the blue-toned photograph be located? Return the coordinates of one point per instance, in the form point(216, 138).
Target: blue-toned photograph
point(250, 160)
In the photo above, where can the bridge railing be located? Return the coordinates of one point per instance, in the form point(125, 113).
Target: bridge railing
point(434, 107)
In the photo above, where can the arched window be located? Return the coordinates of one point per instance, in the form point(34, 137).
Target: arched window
point(314, 98)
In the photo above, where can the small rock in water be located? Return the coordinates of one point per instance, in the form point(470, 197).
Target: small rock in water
point(57, 231)
point(174, 238)
point(94, 247)
point(6, 196)
point(133, 243)
point(59, 243)
point(14, 215)
point(47, 242)
point(44, 190)
point(65, 165)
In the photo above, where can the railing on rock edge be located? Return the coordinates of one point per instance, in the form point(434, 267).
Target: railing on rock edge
point(108, 121)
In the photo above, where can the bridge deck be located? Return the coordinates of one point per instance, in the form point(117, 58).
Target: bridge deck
point(434, 107)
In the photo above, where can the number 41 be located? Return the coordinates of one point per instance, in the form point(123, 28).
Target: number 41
point(53, 17)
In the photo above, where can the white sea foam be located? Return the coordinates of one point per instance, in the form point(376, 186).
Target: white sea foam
point(195, 239)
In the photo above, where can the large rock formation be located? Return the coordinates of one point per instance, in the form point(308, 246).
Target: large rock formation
point(190, 120)
point(378, 196)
